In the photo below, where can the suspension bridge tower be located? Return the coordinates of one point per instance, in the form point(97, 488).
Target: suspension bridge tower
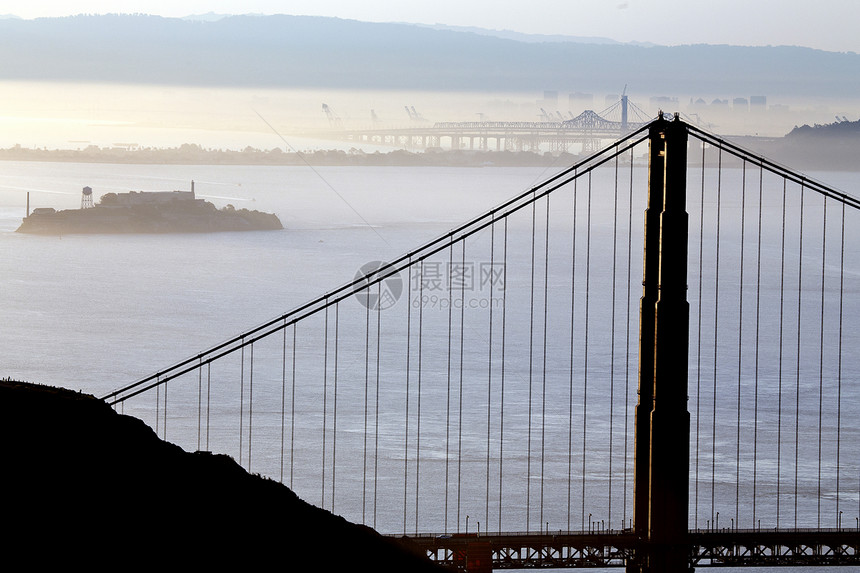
point(662, 456)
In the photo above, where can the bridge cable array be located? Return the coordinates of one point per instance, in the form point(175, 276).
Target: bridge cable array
point(491, 397)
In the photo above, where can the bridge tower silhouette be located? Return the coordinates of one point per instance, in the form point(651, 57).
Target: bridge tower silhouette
point(431, 418)
point(662, 463)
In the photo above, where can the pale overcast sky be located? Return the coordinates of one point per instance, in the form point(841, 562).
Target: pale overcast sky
point(822, 24)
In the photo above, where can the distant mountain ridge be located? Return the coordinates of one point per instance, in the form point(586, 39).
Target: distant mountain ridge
point(317, 52)
point(523, 37)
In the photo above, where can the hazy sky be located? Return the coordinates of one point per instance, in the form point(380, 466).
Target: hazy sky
point(823, 24)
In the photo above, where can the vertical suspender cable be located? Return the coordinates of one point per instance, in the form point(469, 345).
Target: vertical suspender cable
point(839, 368)
point(283, 396)
point(531, 370)
point(325, 403)
point(757, 339)
point(448, 394)
point(406, 416)
point(716, 334)
point(699, 341)
point(627, 341)
point(293, 407)
point(612, 340)
point(585, 361)
point(490, 369)
point(570, 383)
point(418, 405)
point(199, 400)
point(460, 391)
point(241, 399)
point(208, 399)
point(840, 353)
point(250, 405)
point(821, 353)
point(504, 288)
point(543, 368)
point(334, 405)
point(740, 344)
point(376, 413)
point(797, 371)
point(366, 403)
point(781, 340)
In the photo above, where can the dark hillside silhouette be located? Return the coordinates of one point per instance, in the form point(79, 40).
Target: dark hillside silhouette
point(83, 484)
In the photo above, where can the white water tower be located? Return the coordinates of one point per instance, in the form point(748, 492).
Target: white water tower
point(87, 198)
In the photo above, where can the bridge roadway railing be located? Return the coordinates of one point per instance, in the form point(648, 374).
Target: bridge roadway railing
point(612, 548)
point(775, 547)
point(511, 137)
point(520, 135)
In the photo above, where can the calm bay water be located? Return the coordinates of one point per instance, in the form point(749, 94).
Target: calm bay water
point(93, 313)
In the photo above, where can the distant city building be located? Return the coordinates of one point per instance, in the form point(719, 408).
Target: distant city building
point(665, 103)
point(550, 100)
point(758, 103)
point(740, 104)
point(579, 100)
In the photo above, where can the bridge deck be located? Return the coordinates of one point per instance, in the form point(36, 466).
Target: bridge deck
point(716, 548)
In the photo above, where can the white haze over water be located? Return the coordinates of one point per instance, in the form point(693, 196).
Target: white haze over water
point(57, 115)
point(73, 116)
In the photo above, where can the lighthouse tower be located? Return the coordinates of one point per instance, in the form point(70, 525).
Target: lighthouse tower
point(87, 198)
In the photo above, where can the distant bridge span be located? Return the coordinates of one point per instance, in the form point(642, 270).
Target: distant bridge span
point(583, 133)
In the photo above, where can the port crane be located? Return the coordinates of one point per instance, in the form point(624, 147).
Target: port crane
point(413, 115)
point(333, 119)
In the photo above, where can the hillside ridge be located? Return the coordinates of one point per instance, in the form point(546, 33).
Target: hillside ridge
point(320, 52)
point(83, 482)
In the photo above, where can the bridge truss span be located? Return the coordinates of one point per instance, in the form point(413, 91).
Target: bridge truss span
point(605, 549)
point(585, 133)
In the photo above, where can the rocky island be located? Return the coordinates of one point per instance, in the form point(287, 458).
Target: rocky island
point(146, 212)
